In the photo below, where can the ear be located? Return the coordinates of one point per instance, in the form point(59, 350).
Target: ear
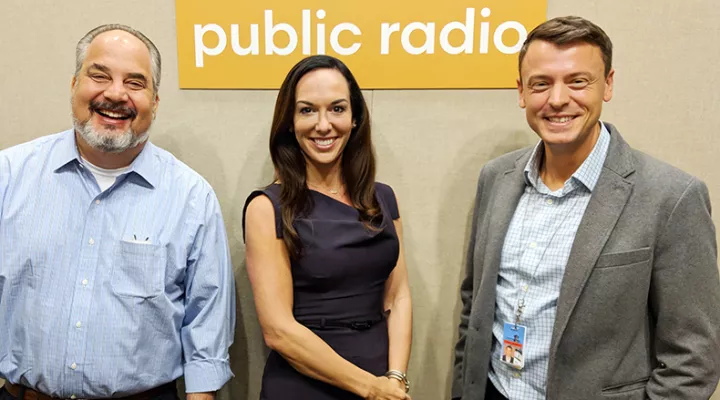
point(73, 82)
point(609, 82)
point(156, 104)
point(521, 99)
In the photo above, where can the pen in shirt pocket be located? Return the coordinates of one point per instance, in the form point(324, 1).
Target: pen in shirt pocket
point(140, 241)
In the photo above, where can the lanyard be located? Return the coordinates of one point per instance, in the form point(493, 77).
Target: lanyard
point(520, 309)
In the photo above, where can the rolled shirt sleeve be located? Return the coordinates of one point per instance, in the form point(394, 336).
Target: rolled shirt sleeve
point(209, 322)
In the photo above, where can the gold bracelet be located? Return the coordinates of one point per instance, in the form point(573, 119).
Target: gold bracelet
point(398, 375)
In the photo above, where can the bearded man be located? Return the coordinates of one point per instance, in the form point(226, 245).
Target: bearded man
point(115, 275)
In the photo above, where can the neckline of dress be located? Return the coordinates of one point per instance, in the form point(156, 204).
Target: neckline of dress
point(347, 206)
point(332, 198)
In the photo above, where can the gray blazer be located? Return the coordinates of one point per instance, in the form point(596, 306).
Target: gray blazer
point(639, 309)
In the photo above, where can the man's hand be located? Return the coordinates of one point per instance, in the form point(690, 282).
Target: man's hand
point(201, 396)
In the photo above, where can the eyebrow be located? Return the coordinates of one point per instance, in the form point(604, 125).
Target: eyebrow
point(579, 74)
point(99, 67)
point(138, 76)
point(548, 77)
point(104, 69)
point(338, 101)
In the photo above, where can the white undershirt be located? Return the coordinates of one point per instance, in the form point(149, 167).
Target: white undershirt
point(104, 177)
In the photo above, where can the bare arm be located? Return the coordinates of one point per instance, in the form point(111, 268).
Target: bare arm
point(398, 301)
point(268, 265)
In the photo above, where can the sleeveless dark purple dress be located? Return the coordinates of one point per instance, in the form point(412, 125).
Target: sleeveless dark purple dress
point(338, 287)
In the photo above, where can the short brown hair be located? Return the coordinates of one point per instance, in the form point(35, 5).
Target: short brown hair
point(570, 29)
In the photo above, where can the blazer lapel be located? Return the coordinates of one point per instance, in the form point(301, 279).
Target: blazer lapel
point(607, 202)
point(510, 187)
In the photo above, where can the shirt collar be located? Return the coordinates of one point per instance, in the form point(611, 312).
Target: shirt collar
point(66, 152)
point(143, 165)
point(589, 171)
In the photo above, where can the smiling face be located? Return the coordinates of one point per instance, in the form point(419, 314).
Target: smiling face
point(113, 102)
point(562, 89)
point(322, 120)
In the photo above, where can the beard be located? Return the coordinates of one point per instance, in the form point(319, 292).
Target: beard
point(108, 140)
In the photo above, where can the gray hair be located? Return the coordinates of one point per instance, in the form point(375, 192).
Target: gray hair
point(84, 43)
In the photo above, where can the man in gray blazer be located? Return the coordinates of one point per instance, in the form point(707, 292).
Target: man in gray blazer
point(593, 260)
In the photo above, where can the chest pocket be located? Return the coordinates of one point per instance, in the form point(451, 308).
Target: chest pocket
point(138, 270)
point(624, 258)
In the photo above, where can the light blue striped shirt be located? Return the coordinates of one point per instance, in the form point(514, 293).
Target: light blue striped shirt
point(113, 293)
point(532, 265)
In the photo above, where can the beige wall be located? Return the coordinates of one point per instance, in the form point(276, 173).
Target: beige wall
point(430, 144)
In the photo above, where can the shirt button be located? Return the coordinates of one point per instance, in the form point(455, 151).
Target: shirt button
point(78, 324)
point(97, 201)
point(73, 397)
point(525, 288)
point(91, 241)
point(549, 201)
point(516, 374)
point(532, 245)
point(73, 366)
point(84, 282)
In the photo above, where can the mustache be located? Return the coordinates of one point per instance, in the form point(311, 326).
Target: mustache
point(113, 107)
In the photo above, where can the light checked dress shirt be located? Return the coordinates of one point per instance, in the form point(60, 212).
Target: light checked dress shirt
point(106, 294)
point(534, 255)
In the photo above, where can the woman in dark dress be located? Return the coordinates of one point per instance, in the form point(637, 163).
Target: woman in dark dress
point(324, 249)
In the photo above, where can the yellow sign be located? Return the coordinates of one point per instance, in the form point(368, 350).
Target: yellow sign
point(388, 44)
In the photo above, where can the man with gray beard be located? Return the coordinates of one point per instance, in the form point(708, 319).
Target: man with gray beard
point(115, 274)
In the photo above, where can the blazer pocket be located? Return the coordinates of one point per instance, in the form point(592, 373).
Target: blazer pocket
point(637, 384)
point(138, 270)
point(623, 258)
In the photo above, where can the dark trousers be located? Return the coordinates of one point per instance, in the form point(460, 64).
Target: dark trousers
point(491, 393)
point(4, 395)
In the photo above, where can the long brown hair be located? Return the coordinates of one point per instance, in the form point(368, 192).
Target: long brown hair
point(358, 158)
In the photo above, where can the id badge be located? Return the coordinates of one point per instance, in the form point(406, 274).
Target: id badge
point(513, 351)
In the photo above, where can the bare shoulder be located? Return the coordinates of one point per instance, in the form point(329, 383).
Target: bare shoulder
point(259, 211)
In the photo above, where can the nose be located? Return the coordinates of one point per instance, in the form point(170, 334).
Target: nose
point(559, 96)
point(116, 92)
point(323, 124)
